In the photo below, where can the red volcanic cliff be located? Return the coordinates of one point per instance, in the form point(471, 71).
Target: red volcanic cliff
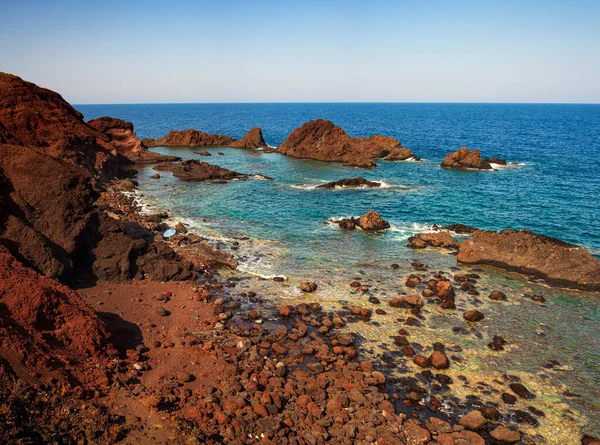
point(322, 140)
point(50, 175)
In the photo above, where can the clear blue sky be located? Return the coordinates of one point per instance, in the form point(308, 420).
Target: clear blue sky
point(271, 51)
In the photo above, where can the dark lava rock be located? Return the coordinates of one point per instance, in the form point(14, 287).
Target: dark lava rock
point(521, 391)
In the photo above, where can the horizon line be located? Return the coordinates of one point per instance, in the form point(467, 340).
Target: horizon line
point(335, 102)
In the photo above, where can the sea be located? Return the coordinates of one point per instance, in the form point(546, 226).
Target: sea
point(286, 227)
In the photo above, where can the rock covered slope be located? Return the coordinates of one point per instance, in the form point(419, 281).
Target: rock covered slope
point(323, 141)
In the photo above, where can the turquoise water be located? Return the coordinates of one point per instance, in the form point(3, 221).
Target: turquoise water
point(552, 191)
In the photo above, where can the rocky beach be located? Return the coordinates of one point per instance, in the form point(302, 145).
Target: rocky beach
point(125, 317)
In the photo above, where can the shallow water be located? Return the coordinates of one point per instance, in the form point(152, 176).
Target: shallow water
point(552, 192)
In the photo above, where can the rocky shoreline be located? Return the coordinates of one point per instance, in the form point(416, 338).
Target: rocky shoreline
point(157, 334)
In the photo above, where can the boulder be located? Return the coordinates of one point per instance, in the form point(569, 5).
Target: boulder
point(308, 286)
point(359, 182)
point(497, 295)
point(460, 228)
point(558, 263)
point(473, 420)
point(473, 315)
point(463, 159)
point(322, 140)
point(372, 221)
point(253, 139)
point(439, 360)
point(504, 435)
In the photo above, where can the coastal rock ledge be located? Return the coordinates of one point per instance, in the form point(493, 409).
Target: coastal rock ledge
point(321, 140)
point(557, 262)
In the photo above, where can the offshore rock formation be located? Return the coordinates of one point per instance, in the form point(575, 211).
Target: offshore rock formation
point(323, 141)
point(190, 138)
point(369, 222)
point(359, 182)
point(555, 261)
point(463, 159)
point(123, 140)
point(253, 139)
point(194, 170)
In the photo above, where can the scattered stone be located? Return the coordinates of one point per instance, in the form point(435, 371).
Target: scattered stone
point(503, 434)
point(308, 286)
point(473, 420)
point(497, 295)
point(473, 315)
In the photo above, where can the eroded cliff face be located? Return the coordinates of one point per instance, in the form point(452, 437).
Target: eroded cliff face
point(322, 140)
point(555, 261)
point(52, 165)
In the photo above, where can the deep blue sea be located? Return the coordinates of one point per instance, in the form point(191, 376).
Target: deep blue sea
point(553, 190)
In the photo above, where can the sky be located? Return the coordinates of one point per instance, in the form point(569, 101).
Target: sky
point(306, 51)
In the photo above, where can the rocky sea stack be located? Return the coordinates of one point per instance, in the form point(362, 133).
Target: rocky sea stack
point(369, 222)
point(323, 141)
point(463, 159)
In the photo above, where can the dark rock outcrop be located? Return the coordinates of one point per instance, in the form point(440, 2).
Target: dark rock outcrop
point(194, 170)
point(463, 159)
point(359, 182)
point(190, 138)
point(253, 139)
point(122, 139)
point(555, 261)
point(323, 141)
point(460, 228)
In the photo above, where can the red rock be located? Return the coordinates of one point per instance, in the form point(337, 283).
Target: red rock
point(322, 140)
point(473, 315)
point(415, 435)
point(463, 159)
point(260, 410)
point(557, 262)
point(504, 435)
point(473, 420)
point(197, 171)
point(253, 139)
point(439, 360)
point(190, 138)
point(284, 311)
point(421, 361)
point(379, 377)
point(372, 221)
point(497, 295)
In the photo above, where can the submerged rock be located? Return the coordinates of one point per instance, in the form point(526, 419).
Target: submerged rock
point(322, 140)
point(359, 182)
point(557, 262)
